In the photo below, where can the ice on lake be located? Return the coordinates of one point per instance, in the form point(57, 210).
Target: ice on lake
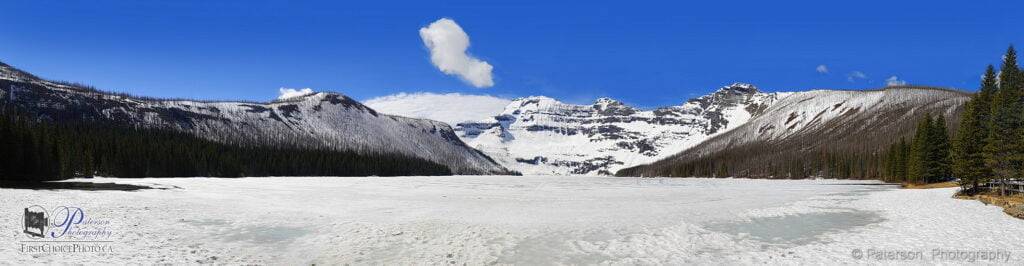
point(514, 220)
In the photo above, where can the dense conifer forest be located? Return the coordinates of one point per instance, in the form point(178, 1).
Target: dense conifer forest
point(990, 143)
point(924, 159)
point(35, 151)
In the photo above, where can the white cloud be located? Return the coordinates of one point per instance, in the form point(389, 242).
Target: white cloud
point(823, 69)
point(855, 75)
point(895, 81)
point(290, 93)
point(451, 108)
point(448, 43)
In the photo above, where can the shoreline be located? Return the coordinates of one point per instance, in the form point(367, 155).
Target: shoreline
point(1012, 205)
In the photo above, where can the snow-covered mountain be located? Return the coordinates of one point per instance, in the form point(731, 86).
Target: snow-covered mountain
point(804, 127)
point(451, 108)
point(327, 120)
point(540, 135)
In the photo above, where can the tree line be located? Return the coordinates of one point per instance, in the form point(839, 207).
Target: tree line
point(990, 141)
point(925, 159)
point(34, 150)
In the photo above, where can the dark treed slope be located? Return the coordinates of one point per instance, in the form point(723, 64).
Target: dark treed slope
point(42, 151)
point(822, 133)
point(320, 121)
point(925, 158)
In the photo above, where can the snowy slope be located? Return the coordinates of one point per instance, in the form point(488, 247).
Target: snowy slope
point(540, 135)
point(866, 121)
point(315, 120)
point(451, 108)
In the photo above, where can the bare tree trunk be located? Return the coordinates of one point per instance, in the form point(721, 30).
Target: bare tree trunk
point(1002, 187)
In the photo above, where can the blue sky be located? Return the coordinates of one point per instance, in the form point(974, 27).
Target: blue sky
point(645, 53)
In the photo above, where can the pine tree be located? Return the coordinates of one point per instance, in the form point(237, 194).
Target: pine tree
point(902, 157)
point(896, 161)
point(891, 158)
point(939, 148)
point(968, 148)
point(917, 160)
point(1004, 148)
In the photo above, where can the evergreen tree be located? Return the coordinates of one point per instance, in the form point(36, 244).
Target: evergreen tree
point(902, 157)
point(968, 148)
point(891, 159)
point(1010, 71)
point(896, 161)
point(939, 165)
point(917, 160)
point(1004, 148)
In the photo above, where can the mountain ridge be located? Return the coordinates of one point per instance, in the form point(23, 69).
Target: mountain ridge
point(542, 135)
point(803, 134)
point(318, 120)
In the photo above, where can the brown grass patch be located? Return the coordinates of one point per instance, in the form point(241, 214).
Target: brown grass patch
point(931, 185)
point(1012, 205)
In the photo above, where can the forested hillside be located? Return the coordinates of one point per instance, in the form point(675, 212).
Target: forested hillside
point(823, 133)
point(902, 134)
point(322, 121)
point(38, 151)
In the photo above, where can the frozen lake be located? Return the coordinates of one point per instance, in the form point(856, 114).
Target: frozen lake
point(517, 220)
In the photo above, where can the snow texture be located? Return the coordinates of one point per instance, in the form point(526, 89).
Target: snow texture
point(808, 114)
point(530, 220)
point(451, 108)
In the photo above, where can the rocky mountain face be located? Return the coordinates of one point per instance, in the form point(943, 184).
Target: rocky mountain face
point(813, 134)
point(319, 120)
point(540, 135)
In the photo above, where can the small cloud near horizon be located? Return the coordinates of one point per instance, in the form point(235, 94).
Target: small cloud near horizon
point(895, 81)
point(823, 69)
point(856, 75)
point(448, 43)
point(285, 93)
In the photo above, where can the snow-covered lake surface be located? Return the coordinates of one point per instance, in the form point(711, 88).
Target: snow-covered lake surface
point(517, 220)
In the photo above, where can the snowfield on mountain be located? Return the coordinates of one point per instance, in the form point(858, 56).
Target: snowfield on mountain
point(802, 126)
point(317, 120)
point(527, 220)
point(541, 135)
point(451, 108)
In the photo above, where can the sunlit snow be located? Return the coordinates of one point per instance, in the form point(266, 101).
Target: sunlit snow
point(528, 220)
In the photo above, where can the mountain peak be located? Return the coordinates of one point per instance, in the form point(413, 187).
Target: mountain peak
point(536, 101)
point(606, 101)
point(739, 87)
point(609, 106)
point(535, 98)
